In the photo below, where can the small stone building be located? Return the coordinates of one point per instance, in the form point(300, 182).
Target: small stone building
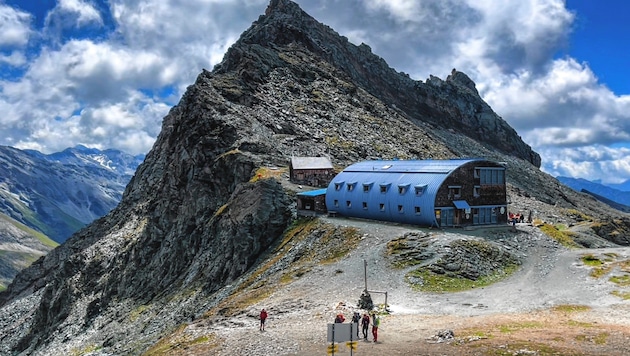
point(311, 171)
point(442, 193)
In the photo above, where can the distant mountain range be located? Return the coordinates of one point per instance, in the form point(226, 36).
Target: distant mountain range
point(59, 193)
point(615, 197)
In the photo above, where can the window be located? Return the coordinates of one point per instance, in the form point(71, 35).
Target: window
point(350, 187)
point(338, 186)
point(348, 203)
point(381, 207)
point(336, 202)
point(491, 176)
point(403, 188)
point(454, 191)
point(366, 187)
point(417, 209)
point(476, 191)
point(365, 205)
point(420, 189)
point(384, 188)
point(400, 209)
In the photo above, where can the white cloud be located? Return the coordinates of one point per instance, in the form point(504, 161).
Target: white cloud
point(14, 26)
point(594, 162)
point(114, 91)
point(15, 59)
point(73, 13)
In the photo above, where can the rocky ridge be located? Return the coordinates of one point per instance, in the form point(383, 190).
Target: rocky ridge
point(195, 222)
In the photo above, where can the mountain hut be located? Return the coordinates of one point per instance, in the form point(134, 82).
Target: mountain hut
point(440, 193)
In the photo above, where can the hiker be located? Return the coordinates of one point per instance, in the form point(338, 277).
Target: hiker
point(521, 218)
point(376, 321)
point(355, 320)
point(339, 318)
point(263, 317)
point(365, 324)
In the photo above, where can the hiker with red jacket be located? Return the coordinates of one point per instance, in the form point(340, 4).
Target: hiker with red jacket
point(339, 318)
point(263, 317)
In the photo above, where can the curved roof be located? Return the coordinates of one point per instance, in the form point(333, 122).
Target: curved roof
point(392, 190)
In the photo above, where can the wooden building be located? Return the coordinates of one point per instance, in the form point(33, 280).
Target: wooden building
point(311, 203)
point(311, 171)
point(458, 192)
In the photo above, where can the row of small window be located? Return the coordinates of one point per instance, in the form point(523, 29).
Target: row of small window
point(402, 188)
point(381, 206)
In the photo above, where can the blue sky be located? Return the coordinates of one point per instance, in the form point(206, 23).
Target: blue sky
point(104, 73)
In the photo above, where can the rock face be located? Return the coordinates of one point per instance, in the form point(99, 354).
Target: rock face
point(195, 216)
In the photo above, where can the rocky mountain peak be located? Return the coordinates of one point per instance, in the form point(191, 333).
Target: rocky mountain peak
point(455, 105)
point(211, 200)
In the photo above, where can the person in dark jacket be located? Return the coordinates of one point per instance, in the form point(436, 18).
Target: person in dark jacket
point(355, 320)
point(365, 325)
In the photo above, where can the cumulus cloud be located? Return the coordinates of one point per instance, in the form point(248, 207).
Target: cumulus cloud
point(594, 162)
point(558, 105)
point(73, 13)
point(112, 91)
point(14, 26)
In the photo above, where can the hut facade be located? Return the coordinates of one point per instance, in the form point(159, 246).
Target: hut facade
point(441, 193)
point(311, 171)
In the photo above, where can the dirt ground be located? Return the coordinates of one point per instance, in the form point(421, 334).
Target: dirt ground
point(551, 306)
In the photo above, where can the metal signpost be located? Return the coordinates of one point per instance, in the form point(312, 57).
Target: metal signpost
point(340, 332)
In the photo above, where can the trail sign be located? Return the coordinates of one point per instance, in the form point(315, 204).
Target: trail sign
point(332, 349)
point(339, 332)
point(352, 345)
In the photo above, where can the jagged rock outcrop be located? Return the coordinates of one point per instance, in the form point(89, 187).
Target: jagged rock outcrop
point(195, 216)
point(453, 104)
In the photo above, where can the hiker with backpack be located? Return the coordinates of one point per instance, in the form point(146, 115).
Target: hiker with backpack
point(365, 324)
point(376, 321)
point(355, 320)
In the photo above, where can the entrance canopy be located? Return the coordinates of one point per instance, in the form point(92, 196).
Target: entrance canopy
point(461, 204)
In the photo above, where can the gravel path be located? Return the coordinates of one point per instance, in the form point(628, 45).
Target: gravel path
point(300, 311)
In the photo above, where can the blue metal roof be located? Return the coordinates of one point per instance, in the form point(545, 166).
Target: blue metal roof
point(393, 190)
point(409, 166)
point(313, 193)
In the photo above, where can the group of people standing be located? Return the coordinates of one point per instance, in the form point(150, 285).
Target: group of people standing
point(365, 322)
